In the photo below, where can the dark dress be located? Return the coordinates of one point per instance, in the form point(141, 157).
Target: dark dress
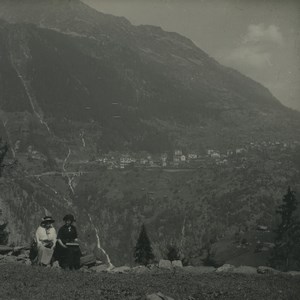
point(67, 257)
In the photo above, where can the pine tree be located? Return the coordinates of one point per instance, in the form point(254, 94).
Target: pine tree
point(173, 252)
point(3, 152)
point(143, 251)
point(3, 234)
point(287, 240)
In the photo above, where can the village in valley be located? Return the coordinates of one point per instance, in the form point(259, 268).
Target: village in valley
point(177, 159)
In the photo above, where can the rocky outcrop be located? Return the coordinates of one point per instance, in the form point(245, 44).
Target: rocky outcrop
point(14, 255)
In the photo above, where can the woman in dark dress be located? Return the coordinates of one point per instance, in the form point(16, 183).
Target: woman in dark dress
point(67, 250)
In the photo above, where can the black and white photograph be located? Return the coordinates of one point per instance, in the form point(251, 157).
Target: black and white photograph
point(150, 149)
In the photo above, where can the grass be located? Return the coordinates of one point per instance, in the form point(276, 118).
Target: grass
point(26, 282)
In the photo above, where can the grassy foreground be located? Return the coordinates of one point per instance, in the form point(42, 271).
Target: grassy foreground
point(27, 282)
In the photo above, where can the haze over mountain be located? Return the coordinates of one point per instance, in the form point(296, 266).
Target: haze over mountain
point(76, 83)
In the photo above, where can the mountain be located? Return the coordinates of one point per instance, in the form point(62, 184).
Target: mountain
point(164, 85)
point(78, 86)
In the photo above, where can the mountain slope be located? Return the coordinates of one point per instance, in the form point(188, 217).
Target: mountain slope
point(76, 84)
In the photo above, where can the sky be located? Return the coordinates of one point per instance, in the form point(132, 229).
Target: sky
point(260, 38)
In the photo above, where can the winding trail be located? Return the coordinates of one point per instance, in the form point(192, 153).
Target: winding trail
point(99, 244)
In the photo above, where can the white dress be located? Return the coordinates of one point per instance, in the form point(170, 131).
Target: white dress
point(42, 235)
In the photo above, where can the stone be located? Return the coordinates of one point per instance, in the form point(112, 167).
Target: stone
point(27, 262)
point(225, 268)
point(88, 260)
point(5, 249)
point(158, 296)
point(55, 265)
point(294, 273)
point(177, 264)
point(165, 264)
point(22, 257)
point(99, 269)
point(245, 270)
point(9, 259)
point(266, 270)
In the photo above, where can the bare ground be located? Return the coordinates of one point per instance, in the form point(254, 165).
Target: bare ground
point(27, 282)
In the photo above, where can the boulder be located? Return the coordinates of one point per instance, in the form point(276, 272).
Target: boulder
point(9, 259)
point(225, 268)
point(177, 264)
point(158, 296)
point(99, 268)
point(165, 264)
point(5, 249)
point(294, 273)
point(266, 270)
point(55, 265)
point(245, 270)
point(88, 260)
point(22, 256)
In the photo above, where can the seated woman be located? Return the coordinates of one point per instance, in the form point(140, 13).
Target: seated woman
point(67, 250)
point(46, 239)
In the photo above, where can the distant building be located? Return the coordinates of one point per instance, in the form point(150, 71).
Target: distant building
point(192, 156)
point(178, 152)
point(240, 150)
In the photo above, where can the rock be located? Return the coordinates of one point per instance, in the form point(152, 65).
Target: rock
point(123, 269)
point(177, 264)
point(5, 249)
point(27, 262)
point(9, 259)
point(99, 269)
point(99, 262)
point(158, 296)
point(88, 260)
point(245, 270)
point(225, 268)
point(22, 257)
point(266, 270)
point(294, 273)
point(55, 265)
point(165, 264)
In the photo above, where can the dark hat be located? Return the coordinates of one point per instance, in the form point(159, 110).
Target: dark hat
point(69, 217)
point(47, 219)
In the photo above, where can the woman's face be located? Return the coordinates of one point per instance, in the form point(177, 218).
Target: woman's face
point(68, 222)
point(48, 225)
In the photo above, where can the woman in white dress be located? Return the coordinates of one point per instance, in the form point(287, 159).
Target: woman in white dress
point(46, 240)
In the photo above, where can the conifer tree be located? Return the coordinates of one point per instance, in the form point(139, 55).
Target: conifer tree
point(143, 251)
point(3, 152)
point(287, 240)
point(3, 234)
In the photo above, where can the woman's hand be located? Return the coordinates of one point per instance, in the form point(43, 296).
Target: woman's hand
point(62, 244)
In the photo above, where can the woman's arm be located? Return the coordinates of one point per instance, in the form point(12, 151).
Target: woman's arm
point(38, 236)
point(61, 243)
